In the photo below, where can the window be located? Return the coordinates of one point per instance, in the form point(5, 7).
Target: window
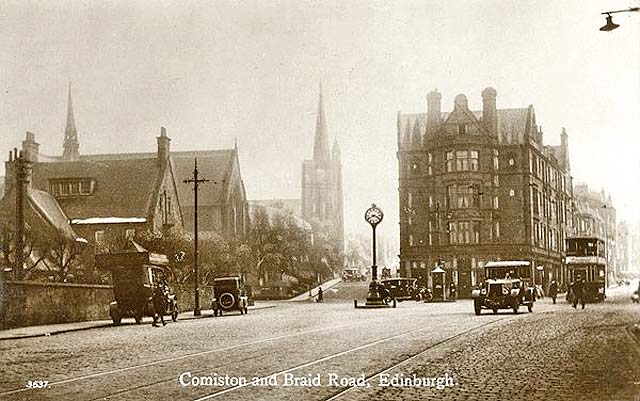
point(496, 204)
point(512, 193)
point(70, 186)
point(430, 160)
point(430, 233)
point(496, 181)
point(430, 201)
point(450, 162)
point(512, 162)
point(462, 160)
point(496, 226)
point(464, 232)
point(99, 237)
point(462, 129)
point(410, 239)
point(462, 196)
point(129, 233)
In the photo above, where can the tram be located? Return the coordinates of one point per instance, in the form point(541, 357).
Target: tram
point(586, 260)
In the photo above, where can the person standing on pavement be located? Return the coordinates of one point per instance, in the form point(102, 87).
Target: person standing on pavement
point(578, 292)
point(553, 290)
point(319, 295)
point(159, 300)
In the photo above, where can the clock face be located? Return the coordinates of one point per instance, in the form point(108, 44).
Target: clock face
point(373, 215)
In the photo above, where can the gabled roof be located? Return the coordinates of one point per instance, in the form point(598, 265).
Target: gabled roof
point(213, 165)
point(512, 124)
point(123, 188)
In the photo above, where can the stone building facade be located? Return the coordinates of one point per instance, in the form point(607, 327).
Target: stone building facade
point(476, 186)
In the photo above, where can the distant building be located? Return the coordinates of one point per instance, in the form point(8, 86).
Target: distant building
point(477, 186)
point(322, 198)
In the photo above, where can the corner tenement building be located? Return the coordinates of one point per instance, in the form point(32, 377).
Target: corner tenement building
point(477, 186)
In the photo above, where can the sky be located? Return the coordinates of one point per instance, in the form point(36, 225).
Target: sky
point(212, 72)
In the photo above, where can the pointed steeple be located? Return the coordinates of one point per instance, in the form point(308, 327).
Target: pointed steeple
point(321, 142)
point(71, 144)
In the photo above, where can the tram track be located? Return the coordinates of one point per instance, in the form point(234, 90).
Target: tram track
point(173, 359)
point(166, 378)
point(351, 350)
point(368, 378)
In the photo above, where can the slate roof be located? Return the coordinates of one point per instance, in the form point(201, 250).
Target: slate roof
point(46, 206)
point(512, 124)
point(123, 188)
point(213, 165)
point(43, 205)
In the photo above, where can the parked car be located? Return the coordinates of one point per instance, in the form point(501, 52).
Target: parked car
point(502, 294)
point(401, 289)
point(229, 293)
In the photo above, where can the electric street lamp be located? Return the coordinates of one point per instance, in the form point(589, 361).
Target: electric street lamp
point(610, 25)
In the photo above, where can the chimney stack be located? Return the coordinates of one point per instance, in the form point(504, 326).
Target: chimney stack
point(433, 111)
point(30, 147)
point(489, 110)
point(164, 143)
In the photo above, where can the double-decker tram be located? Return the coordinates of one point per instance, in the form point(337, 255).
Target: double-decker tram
point(586, 262)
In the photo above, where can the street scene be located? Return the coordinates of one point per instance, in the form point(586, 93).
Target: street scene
point(303, 200)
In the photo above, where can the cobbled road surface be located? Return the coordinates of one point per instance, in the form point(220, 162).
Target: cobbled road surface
point(335, 351)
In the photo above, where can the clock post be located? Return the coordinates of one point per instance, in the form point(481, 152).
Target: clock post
point(374, 216)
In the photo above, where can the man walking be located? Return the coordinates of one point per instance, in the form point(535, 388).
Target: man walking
point(319, 295)
point(553, 290)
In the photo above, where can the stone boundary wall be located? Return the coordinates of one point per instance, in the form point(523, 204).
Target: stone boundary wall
point(30, 303)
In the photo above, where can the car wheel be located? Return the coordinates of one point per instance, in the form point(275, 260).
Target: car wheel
point(477, 308)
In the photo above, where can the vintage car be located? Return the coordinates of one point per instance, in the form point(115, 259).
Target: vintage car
point(503, 293)
point(349, 275)
point(229, 293)
point(135, 275)
point(401, 289)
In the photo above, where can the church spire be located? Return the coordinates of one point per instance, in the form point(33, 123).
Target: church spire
point(321, 142)
point(71, 144)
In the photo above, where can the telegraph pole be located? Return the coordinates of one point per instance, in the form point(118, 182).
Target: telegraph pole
point(196, 183)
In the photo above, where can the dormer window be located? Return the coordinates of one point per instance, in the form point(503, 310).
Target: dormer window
point(62, 187)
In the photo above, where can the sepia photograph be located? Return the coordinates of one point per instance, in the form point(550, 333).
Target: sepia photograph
point(319, 200)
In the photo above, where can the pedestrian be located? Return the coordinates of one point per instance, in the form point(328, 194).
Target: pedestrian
point(452, 291)
point(319, 295)
point(553, 290)
point(578, 292)
point(159, 300)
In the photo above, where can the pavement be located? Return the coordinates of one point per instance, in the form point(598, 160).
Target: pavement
point(52, 329)
point(314, 291)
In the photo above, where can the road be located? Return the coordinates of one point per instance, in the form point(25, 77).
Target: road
point(556, 353)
